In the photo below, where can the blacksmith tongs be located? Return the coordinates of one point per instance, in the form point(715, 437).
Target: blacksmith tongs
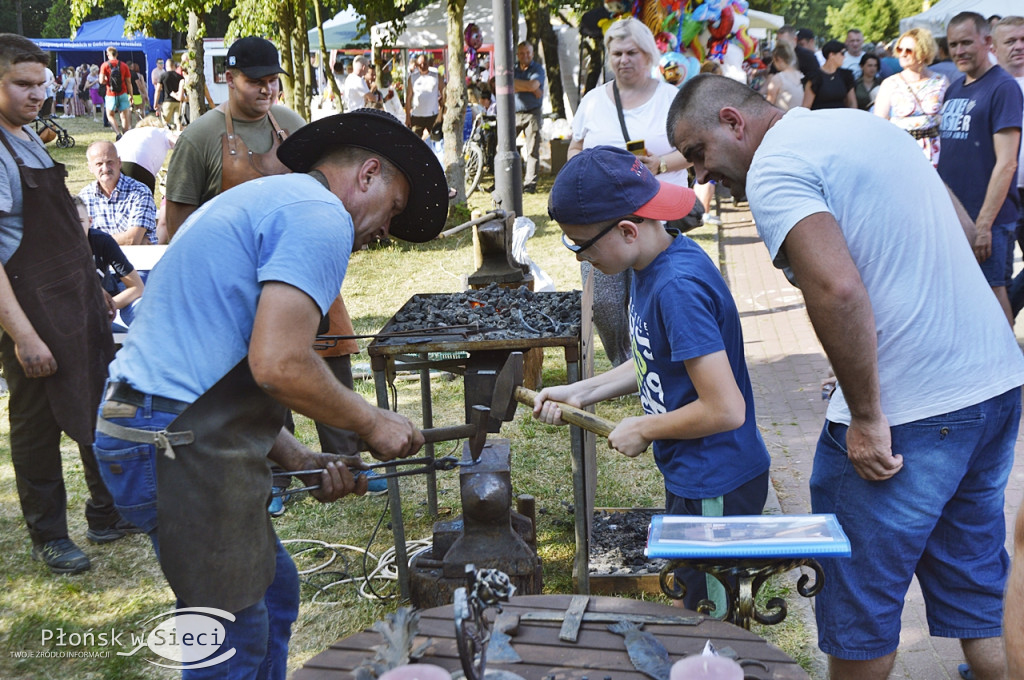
point(426, 464)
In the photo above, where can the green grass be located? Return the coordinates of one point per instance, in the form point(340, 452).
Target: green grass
point(125, 586)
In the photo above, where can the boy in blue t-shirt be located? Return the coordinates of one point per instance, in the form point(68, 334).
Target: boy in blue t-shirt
point(687, 345)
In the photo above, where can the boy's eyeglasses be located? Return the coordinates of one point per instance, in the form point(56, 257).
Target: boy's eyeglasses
point(583, 246)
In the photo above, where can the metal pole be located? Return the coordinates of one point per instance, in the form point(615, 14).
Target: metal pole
point(508, 174)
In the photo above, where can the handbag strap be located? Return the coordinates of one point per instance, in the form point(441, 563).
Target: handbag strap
point(618, 109)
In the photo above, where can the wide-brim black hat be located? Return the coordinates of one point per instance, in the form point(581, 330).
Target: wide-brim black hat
point(380, 132)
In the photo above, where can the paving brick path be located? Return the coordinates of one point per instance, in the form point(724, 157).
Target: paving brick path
point(786, 366)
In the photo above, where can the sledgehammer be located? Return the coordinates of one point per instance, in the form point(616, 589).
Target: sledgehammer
point(508, 389)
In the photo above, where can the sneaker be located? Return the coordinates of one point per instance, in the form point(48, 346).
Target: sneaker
point(712, 220)
point(530, 189)
point(116, 531)
point(62, 556)
point(276, 507)
point(375, 486)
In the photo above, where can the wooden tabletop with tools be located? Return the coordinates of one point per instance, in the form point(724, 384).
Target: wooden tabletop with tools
point(568, 637)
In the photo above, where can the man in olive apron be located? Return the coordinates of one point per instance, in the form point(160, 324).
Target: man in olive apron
point(185, 435)
point(56, 339)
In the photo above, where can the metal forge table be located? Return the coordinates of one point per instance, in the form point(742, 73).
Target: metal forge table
point(478, 360)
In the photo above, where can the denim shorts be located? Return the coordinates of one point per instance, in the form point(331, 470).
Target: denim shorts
point(998, 268)
point(121, 102)
point(129, 468)
point(941, 517)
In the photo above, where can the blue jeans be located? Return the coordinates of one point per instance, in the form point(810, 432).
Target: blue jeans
point(260, 633)
point(940, 517)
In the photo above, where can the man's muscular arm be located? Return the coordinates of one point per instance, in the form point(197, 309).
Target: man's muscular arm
point(840, 311)
point(285, 365)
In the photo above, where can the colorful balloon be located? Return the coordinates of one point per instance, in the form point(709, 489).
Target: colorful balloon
point(690, 30)
point(666, 42)
point(721, 29)
point(474, 37)
point(746, 42)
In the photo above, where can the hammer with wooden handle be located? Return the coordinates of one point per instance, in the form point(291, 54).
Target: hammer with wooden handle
point(508, 389)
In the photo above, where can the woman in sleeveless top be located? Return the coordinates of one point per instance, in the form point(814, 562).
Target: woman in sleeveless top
point(912, 99)
point(785, 89)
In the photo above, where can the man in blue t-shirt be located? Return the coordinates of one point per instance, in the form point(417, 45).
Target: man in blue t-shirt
point(687, 345)
point(980, 135)
point(259, 266)
point(529, 86)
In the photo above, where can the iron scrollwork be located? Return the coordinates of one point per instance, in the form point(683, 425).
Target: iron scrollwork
point(485, 588)
point(742, 579)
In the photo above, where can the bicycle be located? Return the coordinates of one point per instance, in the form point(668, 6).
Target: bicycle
point(478, 151)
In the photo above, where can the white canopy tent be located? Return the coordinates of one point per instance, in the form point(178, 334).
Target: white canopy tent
point(339, 32)
point(936, 18)
point(428, 27)
point(771, 22)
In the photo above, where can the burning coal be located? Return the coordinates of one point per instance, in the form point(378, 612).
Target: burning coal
point(493, 313)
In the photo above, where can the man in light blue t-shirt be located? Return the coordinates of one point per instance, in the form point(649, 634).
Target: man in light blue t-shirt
point(918, 441)
point(235, 303)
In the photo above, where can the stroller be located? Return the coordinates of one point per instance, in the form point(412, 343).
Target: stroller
point(49, 129)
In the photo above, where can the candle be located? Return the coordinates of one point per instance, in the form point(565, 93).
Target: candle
point(705, 667)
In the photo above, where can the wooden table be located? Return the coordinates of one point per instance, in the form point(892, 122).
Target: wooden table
point(597, 654)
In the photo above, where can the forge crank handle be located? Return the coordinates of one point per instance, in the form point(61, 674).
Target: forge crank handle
point(570, 414)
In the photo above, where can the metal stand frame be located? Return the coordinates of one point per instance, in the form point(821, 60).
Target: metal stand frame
point(742, 578)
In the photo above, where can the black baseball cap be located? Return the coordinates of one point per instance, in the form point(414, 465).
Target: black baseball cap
point(380, 132)
point(255, 57)
point(805, 34)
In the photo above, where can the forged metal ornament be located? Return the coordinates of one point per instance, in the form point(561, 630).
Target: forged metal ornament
point(485, 588)
point(646, 652)
point(741, 580)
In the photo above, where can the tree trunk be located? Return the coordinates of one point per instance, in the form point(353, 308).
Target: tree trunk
point(18, 18)
point(195, 81)
point(325, 57)
point(285, 26)
point(300, 59)
point(455, 102)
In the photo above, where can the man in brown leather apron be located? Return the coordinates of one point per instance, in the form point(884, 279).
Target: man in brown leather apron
point(56, 339)
point(185, 435)
point(238, 140)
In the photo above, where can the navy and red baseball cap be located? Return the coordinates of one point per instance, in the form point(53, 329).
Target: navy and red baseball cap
point(606, 183)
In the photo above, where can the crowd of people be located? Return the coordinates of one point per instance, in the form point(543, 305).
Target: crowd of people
point(909, 292)
point(261, 268)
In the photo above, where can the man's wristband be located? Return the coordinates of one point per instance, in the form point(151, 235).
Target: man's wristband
point(662, 167)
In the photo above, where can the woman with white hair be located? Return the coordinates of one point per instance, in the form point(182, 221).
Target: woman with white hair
point(630, 113)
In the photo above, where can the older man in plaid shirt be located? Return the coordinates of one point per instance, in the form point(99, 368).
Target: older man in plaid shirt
point(119, 205)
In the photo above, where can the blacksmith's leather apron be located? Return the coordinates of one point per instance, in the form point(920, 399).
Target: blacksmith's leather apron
point(54, 280)
point(217, 545)
point(238, 164)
